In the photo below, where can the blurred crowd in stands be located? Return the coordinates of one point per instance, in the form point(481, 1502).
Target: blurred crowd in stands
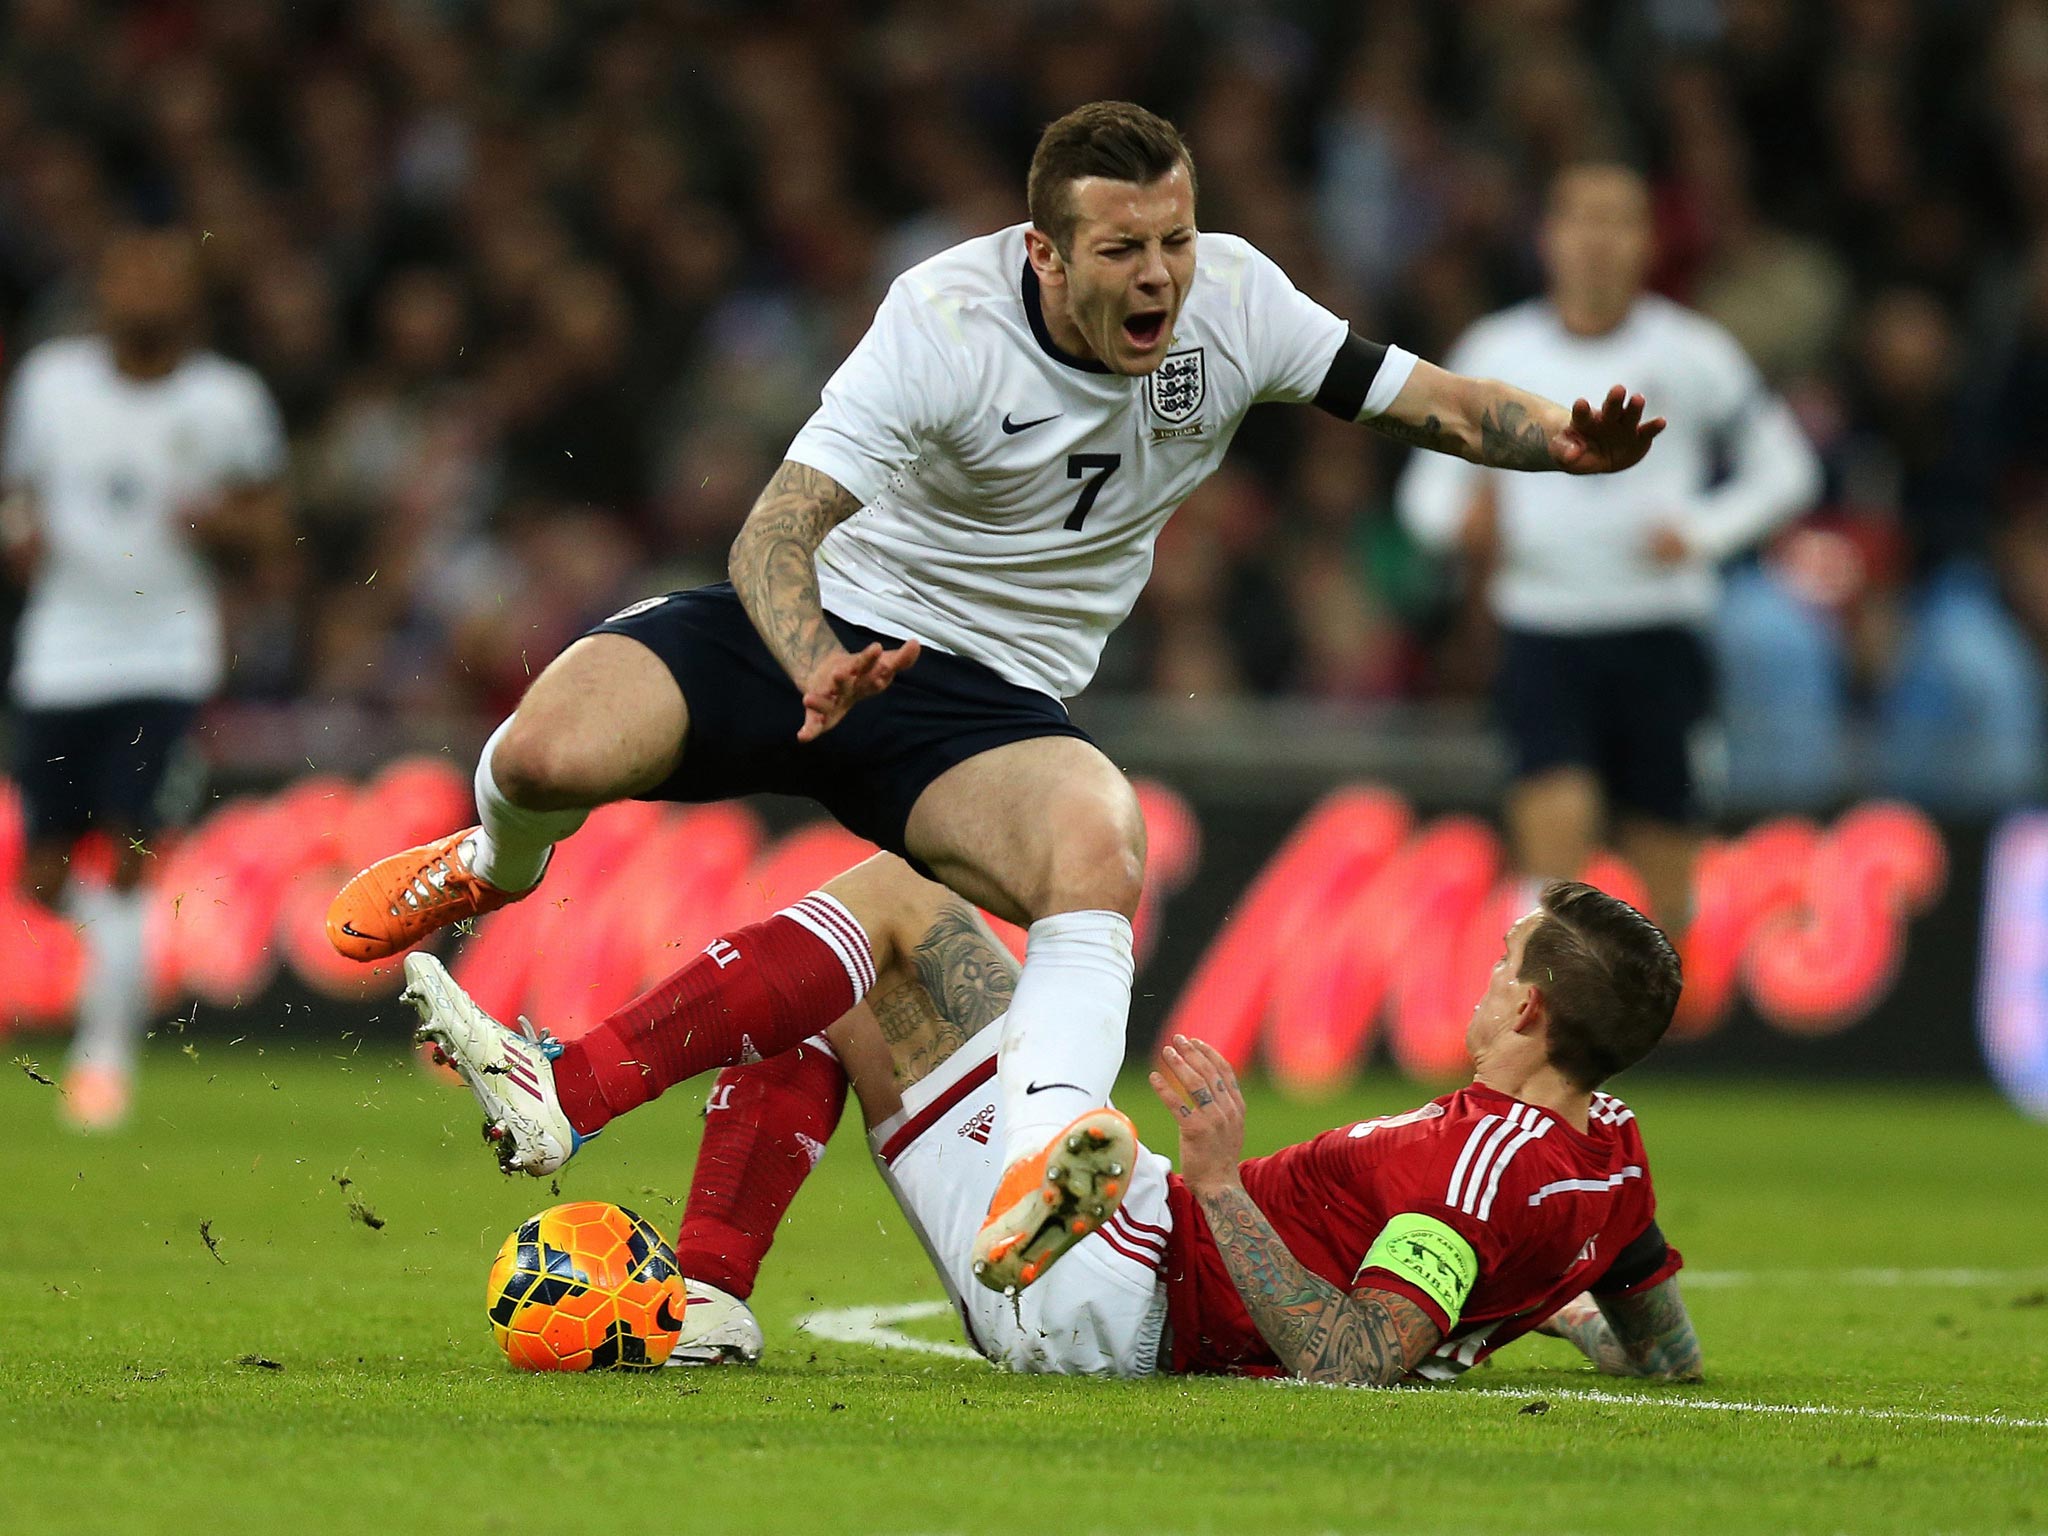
point(543, 287)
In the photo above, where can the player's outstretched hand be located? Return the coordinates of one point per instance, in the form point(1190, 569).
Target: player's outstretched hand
point(1198, 1085)
point(842, 681)
point(1603, 441)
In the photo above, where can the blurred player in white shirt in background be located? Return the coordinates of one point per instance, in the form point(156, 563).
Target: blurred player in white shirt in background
point(132, 459)
point(1604, 587)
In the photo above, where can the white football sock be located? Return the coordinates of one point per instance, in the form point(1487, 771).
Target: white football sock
point(113, 1000)
point(512, 847)
point(1064, 1038)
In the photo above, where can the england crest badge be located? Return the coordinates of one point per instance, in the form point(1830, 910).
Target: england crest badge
point(1177, 386)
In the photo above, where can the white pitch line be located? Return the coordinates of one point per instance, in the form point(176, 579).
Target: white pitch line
point(1713, 1405)
point(877, 1326)
point(1932, 1279)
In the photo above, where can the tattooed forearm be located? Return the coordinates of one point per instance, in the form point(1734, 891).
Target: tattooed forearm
point(774, 567)
point(1510, 439)
point(1317, 1331)
point(1644, 1335)
point(1428, 433)
point(1478, 419)
point(963, 983)
point(1654, 1333)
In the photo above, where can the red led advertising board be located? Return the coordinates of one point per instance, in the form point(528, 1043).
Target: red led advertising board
point(1351, 931)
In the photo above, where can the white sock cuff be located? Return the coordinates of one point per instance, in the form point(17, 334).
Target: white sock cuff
point(820, 1043)
point(550, 826)
point(485, 782)
point(514, 847)
point(1099, 941)
point(828, 920)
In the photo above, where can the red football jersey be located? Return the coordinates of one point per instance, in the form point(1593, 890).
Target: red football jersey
point(1546, 1208)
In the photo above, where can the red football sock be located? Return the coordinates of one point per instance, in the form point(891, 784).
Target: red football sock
point(764, 1130)
point(752, 994)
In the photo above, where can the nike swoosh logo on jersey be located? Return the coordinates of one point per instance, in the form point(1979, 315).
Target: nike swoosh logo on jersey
point(1012, 428)
point(1031, 1088)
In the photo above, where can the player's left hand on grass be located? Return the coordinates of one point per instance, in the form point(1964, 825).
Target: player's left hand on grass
point(1599, 442)
point(1198, 1085)
point(841, 681)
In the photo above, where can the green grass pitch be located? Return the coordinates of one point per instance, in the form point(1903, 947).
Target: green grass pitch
point(1878, 1257)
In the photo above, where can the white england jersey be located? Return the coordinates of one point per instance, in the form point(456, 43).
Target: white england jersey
point(1011, 495)
point(1575, 549)
point(123, 605)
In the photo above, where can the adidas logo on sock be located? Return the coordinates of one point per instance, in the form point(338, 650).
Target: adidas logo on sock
point(979, 1128)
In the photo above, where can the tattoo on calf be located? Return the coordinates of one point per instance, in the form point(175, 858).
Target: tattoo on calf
point(918, 1038)
point(970, 977)
point(964, 983)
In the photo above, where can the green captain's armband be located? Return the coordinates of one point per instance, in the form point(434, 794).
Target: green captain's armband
point(1425, 1252)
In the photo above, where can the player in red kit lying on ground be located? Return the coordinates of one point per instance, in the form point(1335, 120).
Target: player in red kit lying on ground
point(1408, 1244)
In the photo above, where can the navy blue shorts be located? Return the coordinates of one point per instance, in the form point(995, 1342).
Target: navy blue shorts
point(869, 769)
point(1622, 703)
point(104, 766)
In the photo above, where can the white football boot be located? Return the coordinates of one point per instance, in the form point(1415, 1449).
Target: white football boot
point(717, 1329)
point(511, 1071)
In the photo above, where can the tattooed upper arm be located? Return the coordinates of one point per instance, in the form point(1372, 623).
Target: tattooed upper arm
point(774, 566)
point(963, 982)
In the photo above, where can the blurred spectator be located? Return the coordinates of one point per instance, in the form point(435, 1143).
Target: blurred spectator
point(1896, 591)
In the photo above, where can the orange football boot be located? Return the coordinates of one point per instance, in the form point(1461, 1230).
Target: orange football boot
point(399, 900)
point(1048, 1202)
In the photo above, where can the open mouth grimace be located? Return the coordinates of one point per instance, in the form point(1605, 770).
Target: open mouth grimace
point(1144, 329)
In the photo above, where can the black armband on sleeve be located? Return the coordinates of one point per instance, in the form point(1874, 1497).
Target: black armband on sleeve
point(1349, 380)
point(1634, 1264)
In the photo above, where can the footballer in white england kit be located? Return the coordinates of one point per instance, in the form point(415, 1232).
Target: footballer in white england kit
point(129, 456)
point(1011, 494)
point(1011, 497)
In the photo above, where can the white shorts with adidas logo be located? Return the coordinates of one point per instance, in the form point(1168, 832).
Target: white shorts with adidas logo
point(1101, 1309)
